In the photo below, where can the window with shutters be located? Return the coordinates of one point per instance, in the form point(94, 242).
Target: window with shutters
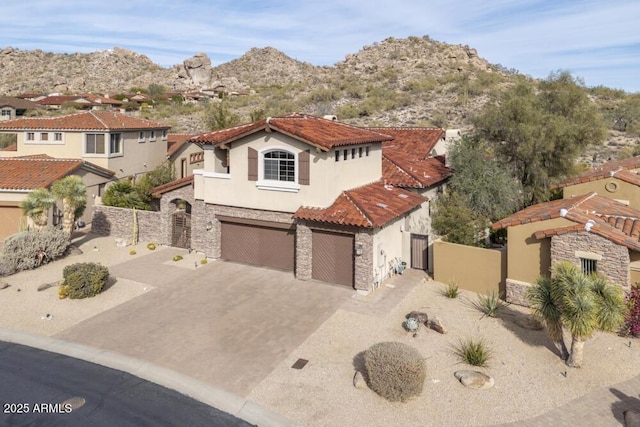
point(278, 169)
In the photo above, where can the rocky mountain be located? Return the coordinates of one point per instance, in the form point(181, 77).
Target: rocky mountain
point(403, 82)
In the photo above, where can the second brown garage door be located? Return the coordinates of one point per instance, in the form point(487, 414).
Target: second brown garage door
point(10, 218)
point(259, 244)
point(332, 257)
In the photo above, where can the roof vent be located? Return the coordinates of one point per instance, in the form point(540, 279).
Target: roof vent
point(388, 187)
point(268, 119)
point(404, 196)
point(563, 212)
point(589, 224)
point(382, 205)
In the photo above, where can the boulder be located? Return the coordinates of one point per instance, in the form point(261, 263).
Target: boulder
point(4, 285)
point(474, 379)
point(46, 286)
point(419, 316)
point(437, 325)
point(198, 68)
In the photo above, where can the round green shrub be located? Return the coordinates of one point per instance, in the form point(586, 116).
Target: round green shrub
point(395, 371)
point(177, 257)
point(85, 279)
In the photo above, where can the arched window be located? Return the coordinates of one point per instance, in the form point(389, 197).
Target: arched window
point(279, 166)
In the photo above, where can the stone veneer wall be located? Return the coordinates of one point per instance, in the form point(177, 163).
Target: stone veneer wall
point(364, 263)
point(516, 292)
point(615, 258)
point(304, 256)
point(118, 222)
point(168, 207)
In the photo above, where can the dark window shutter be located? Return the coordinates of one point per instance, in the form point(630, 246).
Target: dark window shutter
point(253, 164)
point(303, 168)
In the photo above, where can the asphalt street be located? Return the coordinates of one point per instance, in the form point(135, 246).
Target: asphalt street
point(42, 388)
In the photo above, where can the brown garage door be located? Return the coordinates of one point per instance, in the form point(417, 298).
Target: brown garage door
point(259, 245)
point(332, 257)
point(10, 217)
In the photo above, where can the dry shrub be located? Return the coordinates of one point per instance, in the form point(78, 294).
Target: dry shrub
point(396, 371)
point(30, 249)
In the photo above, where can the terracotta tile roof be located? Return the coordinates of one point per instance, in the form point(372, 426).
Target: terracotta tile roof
point(19, 103)
point(84, 121)
point(620, 169)
point(169, 186)
point(603, 216)
point(175, 141)
point(406, 170)
point(27, 173)
point(370, 206)
point(12, 147)
point(418, 141)
point(319, 132)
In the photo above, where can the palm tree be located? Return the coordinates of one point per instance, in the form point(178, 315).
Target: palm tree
point(73, 193)
point(36, 206)
point(581, 303)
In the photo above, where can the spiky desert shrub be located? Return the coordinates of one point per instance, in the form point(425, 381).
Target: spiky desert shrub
point(29, 249)
point(395, 371)
point(490, 304)
point(452, 290)
point(84, 280)
point(473, 352)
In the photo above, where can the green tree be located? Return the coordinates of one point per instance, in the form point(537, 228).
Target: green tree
point(217, 115)
point(73, 193)
point(491, 192)
point(7, 139)
point(455, 220)
point(160, 175)
point(582, 303)
point(122, 194)
point(540, 131)
point(37, 205)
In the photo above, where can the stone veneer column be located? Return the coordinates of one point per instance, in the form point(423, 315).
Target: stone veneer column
point(363, 264)
point(614, 263)
point(203, 240)
point(304, 260)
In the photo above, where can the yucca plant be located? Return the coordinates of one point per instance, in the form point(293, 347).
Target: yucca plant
point(451, 291)
point(490, 303)
point(579, 302)
point(473, 352)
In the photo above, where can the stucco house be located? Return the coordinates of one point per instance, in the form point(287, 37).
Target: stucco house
point(597, 233)
point(184, 157)
point(20, 175)
point(11, 108)
point(618, 180)
point(86, 102)
point(127, 145)
point(328, 201)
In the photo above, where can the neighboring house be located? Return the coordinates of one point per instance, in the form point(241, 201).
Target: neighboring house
point(323, 199)
point(11, 108)
point(86, 102)
point(127, 145)
point(184, 157)
point(594, 232)
point(20, 175)
point(618, 180)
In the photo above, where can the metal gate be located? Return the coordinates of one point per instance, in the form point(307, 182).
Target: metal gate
point(420, 252)
point(181, 230)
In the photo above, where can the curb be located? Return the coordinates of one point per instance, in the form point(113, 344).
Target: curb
point(198, 390)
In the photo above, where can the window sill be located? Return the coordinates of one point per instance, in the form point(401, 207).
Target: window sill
point(290, 187)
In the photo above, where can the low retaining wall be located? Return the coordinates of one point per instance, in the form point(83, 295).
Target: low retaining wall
point(118, 222)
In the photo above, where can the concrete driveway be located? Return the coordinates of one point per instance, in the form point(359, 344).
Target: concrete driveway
point(222, 323)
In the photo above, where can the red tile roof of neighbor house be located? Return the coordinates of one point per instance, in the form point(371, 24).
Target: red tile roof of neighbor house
point(318, 132)
point(173, 185)
point(30, 172)
point(369, 206)
point(603, 216)
point(621, 169)
point(12, 147)
point(92, 100)
point(417, 141)
point(19, 103)
point(83, 121)
point(175, 141)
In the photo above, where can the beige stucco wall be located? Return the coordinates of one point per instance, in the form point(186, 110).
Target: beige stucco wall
point(387, 245)
point(527, 257)
point(185, 154)
point(133, 160)
point(328, 178)
point(471, 268)
point(623, 192)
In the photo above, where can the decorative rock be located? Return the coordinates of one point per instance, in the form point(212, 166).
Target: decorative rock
point(4, 285)
point(74, 250)
point(46, 286)
point(631, 418)
point(529, 322)
point(121, 243)
point(436, 325)
point(474, 379)
point(358, 381)
point(419, 315)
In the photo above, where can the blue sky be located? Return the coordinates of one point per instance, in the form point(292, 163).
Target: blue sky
point(596, 40)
